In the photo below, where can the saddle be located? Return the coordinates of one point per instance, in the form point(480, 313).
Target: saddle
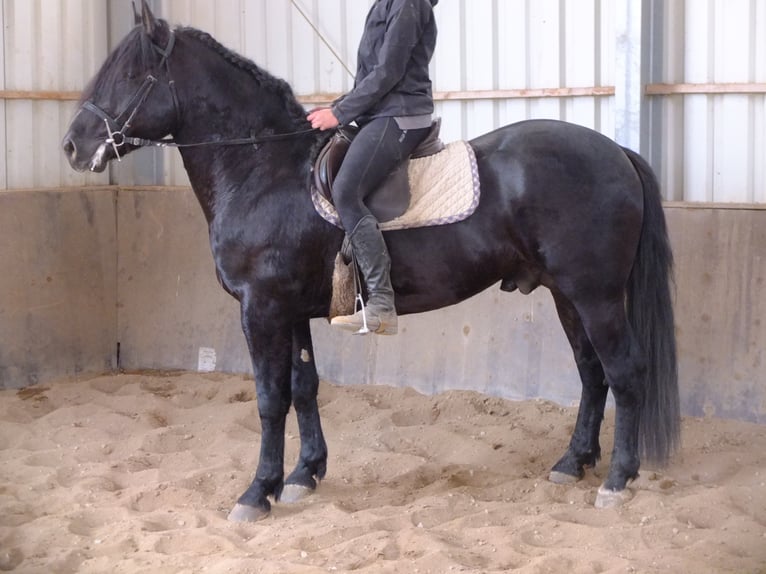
point(392, 198)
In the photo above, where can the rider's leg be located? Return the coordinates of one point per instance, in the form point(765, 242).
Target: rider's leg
point(379, 147)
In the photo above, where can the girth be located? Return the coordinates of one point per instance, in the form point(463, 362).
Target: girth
point(392, 198)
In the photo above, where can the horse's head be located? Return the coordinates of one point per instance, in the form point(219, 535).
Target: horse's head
point(131, 96)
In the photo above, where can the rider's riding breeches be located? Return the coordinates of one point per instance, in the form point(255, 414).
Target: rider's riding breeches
point(378, 148)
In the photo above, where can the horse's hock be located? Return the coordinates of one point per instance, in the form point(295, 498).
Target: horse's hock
point(67, 304)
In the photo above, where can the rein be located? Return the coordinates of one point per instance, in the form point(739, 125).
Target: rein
point(170, 142)
point(116, 132)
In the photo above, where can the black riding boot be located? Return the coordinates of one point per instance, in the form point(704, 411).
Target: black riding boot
point(374, 264)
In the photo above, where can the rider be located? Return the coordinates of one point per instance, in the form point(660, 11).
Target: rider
point(392, 104)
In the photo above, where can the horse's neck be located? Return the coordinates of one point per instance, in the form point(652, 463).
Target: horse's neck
point(217, 175)
point(239, 107)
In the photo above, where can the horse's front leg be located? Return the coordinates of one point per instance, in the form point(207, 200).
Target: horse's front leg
point(312, 462)
point(270, 344)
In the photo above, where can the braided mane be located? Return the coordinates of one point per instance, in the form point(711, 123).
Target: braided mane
point(264, 79)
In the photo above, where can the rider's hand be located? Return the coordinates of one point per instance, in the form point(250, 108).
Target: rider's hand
point(322, 119)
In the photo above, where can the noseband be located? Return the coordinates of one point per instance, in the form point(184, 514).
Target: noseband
point(115, 132)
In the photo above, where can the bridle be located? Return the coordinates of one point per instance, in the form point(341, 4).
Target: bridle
point(116, 132)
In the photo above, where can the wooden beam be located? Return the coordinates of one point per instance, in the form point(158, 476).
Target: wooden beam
point(521, 93)
point(710, 89)
point(39, 95)
point(452, 96)
point(318, 98)
point(525, 93)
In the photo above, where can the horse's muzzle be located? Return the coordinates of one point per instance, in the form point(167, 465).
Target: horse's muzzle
point(95, 163)
point(70, 149)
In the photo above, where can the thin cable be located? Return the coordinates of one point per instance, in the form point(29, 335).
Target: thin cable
point(321, 37)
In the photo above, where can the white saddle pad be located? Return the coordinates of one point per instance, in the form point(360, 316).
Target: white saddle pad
point(445, 189)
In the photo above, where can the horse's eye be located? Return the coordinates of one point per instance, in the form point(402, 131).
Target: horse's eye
point(131, 75)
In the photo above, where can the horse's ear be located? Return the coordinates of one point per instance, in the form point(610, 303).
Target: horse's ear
point(147, 18)
point(136, 15)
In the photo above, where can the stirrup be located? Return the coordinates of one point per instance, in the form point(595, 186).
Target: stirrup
point(364, 329)
point(360, 323)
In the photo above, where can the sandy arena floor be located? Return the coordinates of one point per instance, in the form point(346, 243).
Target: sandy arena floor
point(136, 473)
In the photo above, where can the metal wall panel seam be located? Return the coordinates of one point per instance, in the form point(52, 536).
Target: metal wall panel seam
point(290, 43)
point(751, 112)
point(562, 33)
point(752, 48)
point(629, 16)
point(495, 61)
point(712, 41)
point(527, 52)
point(463, 70)
point(652, 53)
point(751, 149)
point(3, 123)
point(15, 111)
point(597, 72)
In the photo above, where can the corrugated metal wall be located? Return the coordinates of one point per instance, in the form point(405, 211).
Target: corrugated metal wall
point(491, 55)
point(51, 46)
point(709, 117)
point(497, 61)
point(553, 45)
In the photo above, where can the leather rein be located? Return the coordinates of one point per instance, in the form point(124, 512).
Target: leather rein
point(116, 131)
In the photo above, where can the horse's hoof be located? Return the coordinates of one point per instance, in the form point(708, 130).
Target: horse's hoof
point(292, 493)
point(243, 513)
point(608, 498)
point(557, 477)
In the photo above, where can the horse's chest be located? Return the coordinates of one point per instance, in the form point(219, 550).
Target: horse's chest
point(236, 258)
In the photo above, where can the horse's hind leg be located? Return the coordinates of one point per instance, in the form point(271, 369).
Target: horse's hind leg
point(312, 462)
point(584, 449)
point(625, 369)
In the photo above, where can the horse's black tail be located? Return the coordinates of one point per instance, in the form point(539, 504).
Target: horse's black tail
point(650, 312)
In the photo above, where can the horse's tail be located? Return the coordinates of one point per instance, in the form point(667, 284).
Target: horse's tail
point(650, 313)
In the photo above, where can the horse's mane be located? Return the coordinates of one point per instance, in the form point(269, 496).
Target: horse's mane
point(277, 86)
point(142, 59)
point(264, 79)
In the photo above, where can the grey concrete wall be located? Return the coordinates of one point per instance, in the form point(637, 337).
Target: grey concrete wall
point(170, 302)
point(170, 309)
point(513, 346)
point(721, 310)
point(497, 343)
point(57, 285)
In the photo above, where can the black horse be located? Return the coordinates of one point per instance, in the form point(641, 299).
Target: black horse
point(562, 206)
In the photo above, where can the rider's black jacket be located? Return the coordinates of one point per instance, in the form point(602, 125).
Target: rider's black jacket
point(392, 78)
